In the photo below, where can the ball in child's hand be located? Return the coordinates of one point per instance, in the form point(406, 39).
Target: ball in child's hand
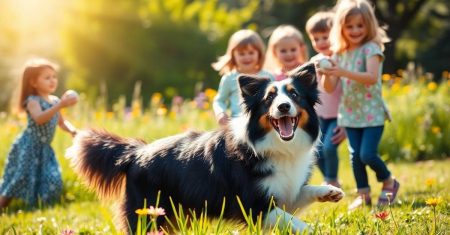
point(71, 93)
point(325, 63)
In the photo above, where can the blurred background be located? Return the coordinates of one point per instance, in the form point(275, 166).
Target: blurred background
point(105, 48)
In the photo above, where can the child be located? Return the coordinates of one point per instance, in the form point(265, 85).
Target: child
point(286, 51)
point(32, 172)
point(244, 55)
point(318, 28)
point(358, 41)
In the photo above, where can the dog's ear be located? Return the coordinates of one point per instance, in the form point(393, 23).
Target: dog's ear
point(250, 86)
point(305, 74)
point(305, 77)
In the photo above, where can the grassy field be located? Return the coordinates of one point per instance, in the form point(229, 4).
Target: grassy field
point(422, 208)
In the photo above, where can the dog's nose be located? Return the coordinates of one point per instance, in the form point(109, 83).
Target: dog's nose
point(284, 107)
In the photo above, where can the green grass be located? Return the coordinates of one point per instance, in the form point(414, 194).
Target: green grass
point(80, 210)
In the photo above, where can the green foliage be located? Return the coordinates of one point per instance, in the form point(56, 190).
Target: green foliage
point(420, 129)
point(167, 45)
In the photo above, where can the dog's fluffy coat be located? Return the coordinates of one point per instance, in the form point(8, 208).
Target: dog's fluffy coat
point(266, 153)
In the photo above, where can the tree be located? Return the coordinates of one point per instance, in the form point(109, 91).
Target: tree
point(167, 45)
point(402, 19)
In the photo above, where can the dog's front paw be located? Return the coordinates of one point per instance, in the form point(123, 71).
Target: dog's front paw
point(329, 193)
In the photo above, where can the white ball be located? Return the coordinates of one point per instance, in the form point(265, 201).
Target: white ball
point(71, 93)
point(325, 63)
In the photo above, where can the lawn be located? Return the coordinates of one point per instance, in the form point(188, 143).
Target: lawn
point(81, 212)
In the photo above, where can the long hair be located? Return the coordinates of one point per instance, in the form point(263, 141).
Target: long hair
point(280, 33)
point(33, 68)
point(348, 8)
point(238, 41)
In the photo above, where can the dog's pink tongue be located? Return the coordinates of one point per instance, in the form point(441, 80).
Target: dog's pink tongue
point(285, 126)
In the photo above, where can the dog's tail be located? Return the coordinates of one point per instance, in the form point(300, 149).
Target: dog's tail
point(102, 158)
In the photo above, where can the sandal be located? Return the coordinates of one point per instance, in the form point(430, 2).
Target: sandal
point(359, 202)
point(388, 195)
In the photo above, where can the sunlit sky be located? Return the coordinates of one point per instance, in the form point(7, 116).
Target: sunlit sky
point(36, 23)
point(30, 28)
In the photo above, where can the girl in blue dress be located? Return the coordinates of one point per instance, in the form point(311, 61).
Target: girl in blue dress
point(32, 172)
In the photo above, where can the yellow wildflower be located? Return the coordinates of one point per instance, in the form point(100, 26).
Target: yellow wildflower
point(161, 111)
point(406, 89)
point(395, 87)
point(210, 93)
point(109, 115)
point(434, 201)
point(386, 77)
point(436, 129)
point(156, 99)
point(432, 86)
point(143, 211)
point(430, 182)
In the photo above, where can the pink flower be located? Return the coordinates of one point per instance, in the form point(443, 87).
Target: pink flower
point(349, 110)
point(359, 62)
point(155, 233)
point(155, 212)
point(67, 232)
point(366, 51)
point(368, 96)
point(370, 117)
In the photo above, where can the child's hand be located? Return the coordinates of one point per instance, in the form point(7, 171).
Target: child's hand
point(334, 70)
point(339, 135)
point(222, 119)
point(73, 132)
point(68, 100)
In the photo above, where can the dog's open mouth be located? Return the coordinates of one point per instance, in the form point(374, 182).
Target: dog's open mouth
point(285, 126)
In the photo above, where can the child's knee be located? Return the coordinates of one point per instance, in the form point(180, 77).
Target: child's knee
point(368, 158)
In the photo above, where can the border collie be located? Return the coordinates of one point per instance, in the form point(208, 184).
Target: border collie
point(264, 158)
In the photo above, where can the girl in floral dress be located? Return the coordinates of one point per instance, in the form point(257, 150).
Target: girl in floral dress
point(32, 172)
point(357, 43)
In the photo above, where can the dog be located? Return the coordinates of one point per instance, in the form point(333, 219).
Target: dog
point(263, 158)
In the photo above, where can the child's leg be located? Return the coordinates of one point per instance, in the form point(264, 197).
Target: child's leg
point(330, 154)
point(4, 201)
point(355, 136)
point(355, 140)
point(369, 153)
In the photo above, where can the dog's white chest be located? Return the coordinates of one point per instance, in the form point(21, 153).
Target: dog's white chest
point(288, 176)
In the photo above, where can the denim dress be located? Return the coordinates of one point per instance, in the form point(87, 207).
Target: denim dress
point(32, 172)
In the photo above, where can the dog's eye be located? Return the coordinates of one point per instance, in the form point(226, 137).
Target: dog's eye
point(293, 94)
point(270, 96)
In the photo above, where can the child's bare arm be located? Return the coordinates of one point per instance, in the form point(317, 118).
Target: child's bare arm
point(42, 116)
point(368, 77)
point(66, 125)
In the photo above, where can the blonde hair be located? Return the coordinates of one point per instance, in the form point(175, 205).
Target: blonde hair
point(319, 22)
point(348, 8)
point(33, 68)
point(238, 41)
point(280, 33)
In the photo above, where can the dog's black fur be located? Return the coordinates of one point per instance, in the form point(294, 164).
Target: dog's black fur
point(194, 167)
